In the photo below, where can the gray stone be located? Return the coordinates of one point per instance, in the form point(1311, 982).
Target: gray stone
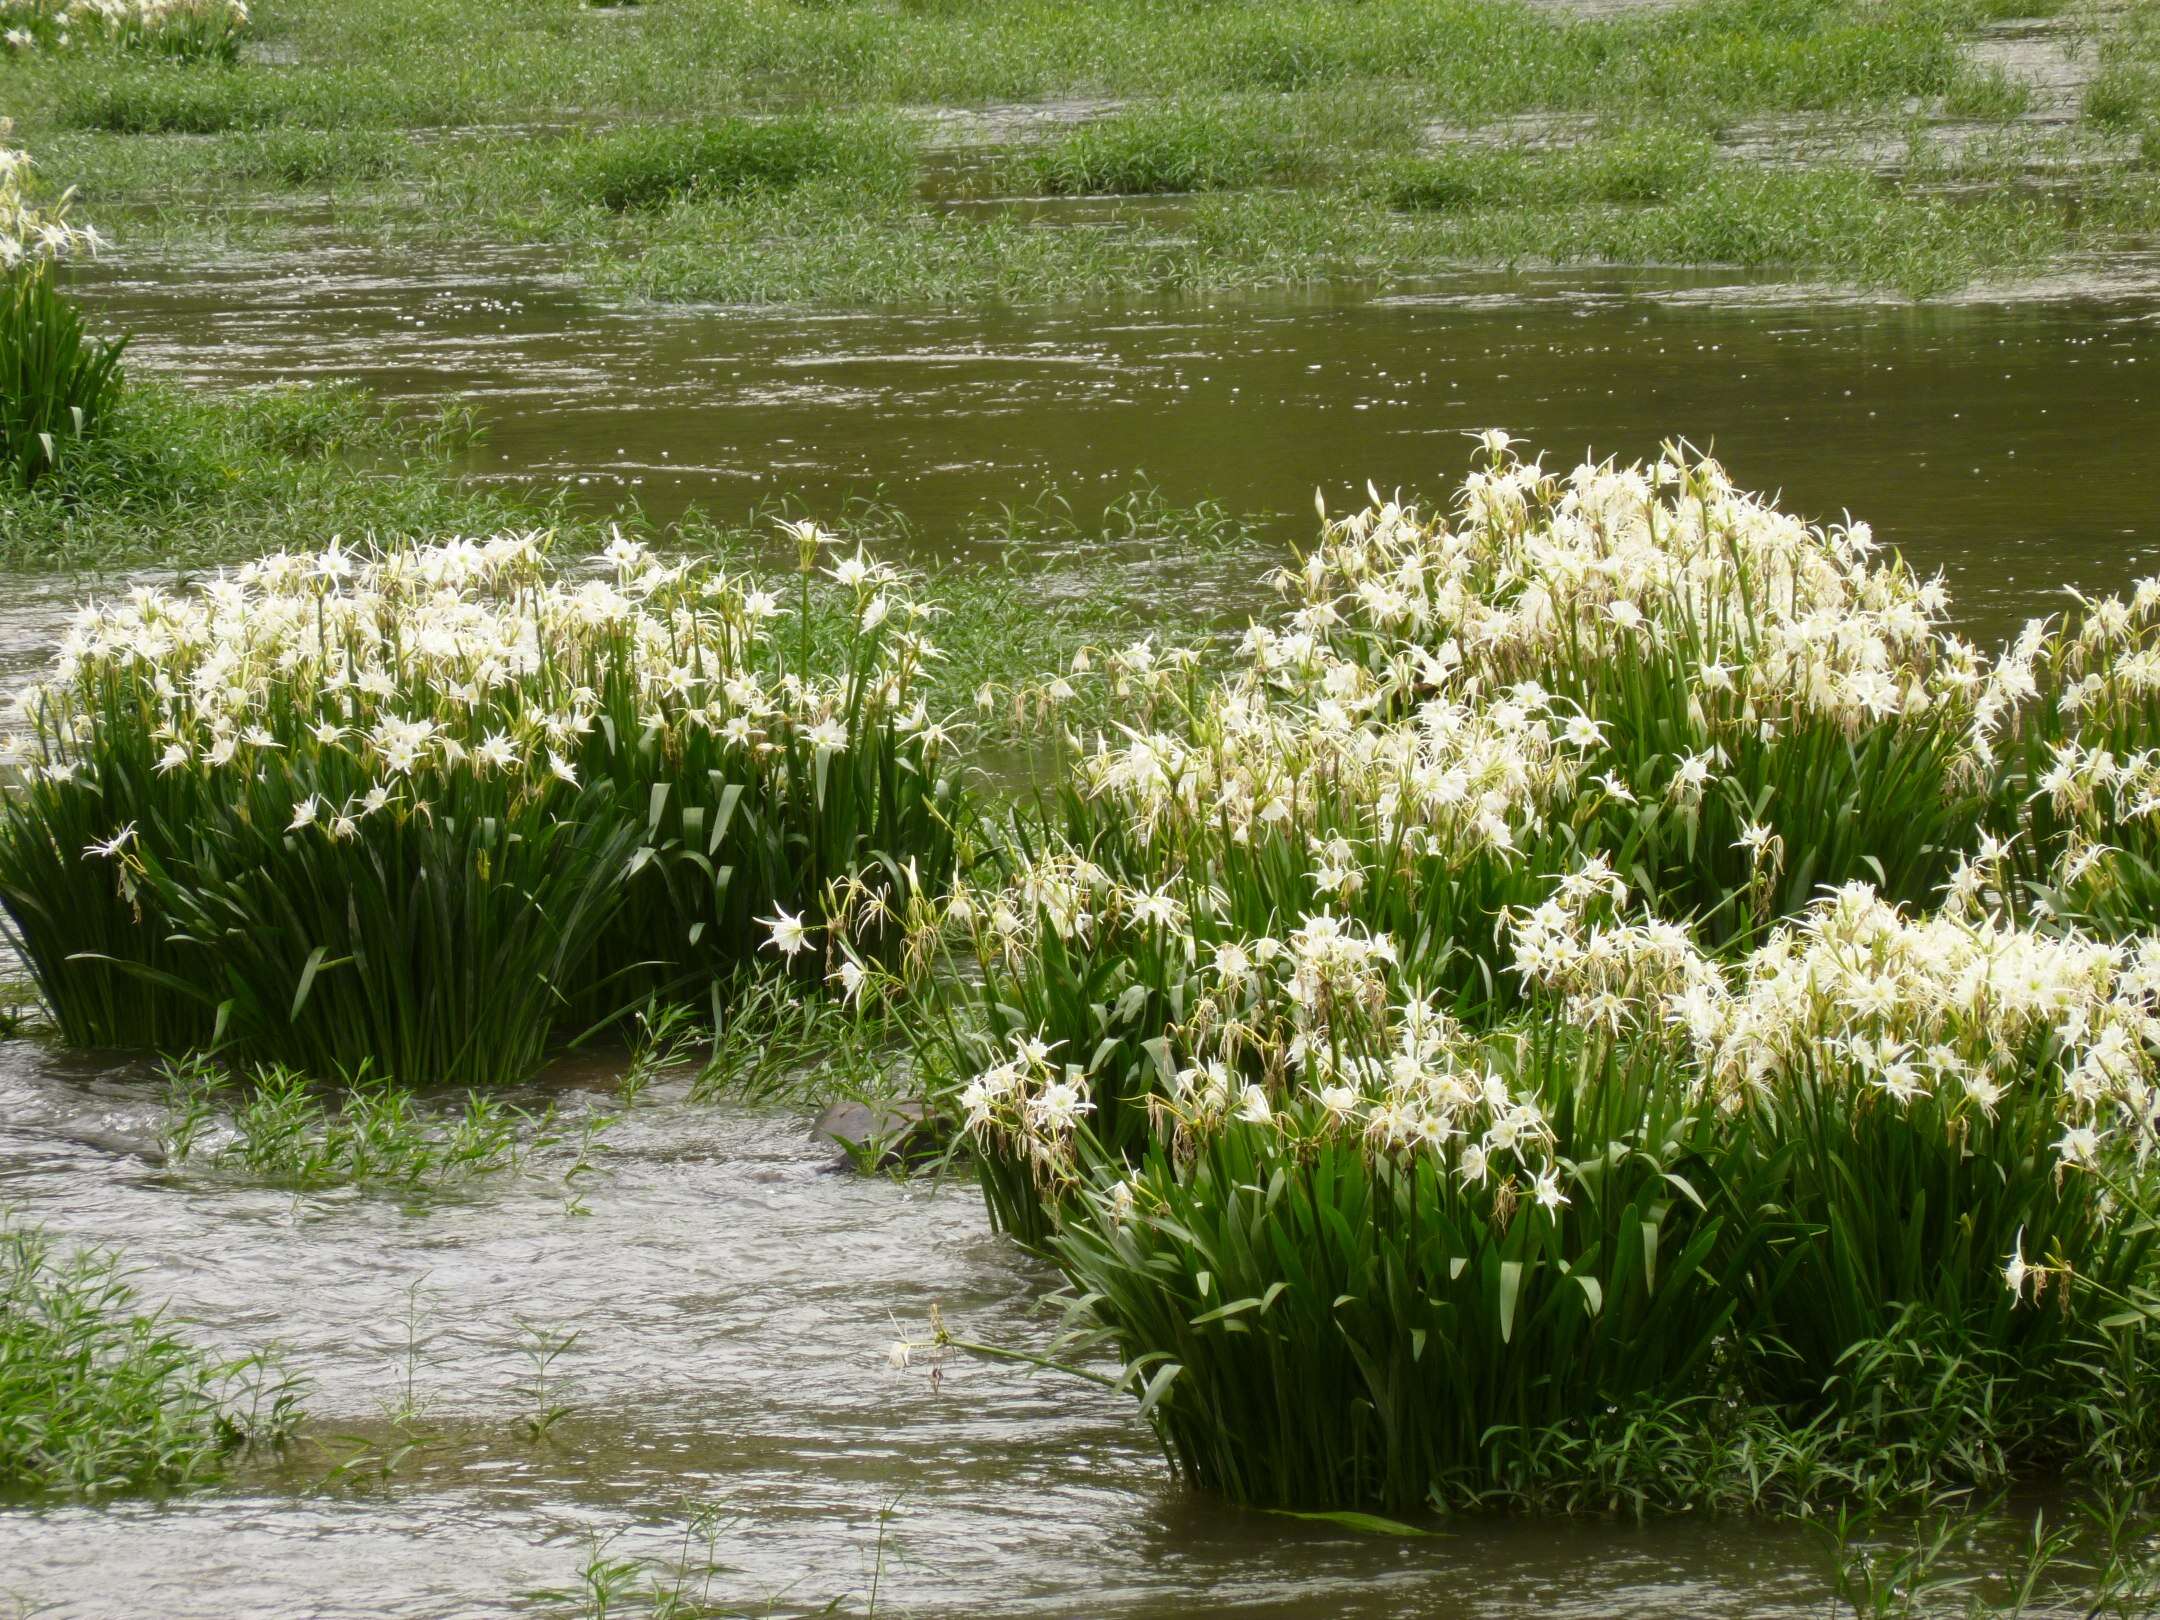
point(876, 1136)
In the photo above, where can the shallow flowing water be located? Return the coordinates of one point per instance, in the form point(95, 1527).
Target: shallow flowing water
point(2009, 443)
point(733, 1297)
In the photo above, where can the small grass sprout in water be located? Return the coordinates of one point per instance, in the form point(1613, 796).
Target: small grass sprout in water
point(542, 1387)
point(675, 1585)
point(277, 1125)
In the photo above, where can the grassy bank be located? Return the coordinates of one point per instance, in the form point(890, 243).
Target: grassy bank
point(179, 478)
point(514, 59)
point(755, 152)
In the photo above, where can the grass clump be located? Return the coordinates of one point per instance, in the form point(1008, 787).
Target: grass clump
point(770, 1042)
point(98, 1396)
point(654, 166)
point(430, 809)
point(168, 100)
point(1632, 169)
point(310, 157)
point(1670, 199)
point(1166, 149)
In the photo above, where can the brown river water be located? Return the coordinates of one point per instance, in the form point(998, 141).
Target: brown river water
point(2009, 442)
point(732, 1296)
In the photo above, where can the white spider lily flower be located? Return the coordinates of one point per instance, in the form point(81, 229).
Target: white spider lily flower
point(789, 937)
point(113, 845)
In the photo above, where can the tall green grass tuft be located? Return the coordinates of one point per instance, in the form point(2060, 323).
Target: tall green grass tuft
point(165, 99)
point(654, 166)
point(1165, 149)
point(1651, 167)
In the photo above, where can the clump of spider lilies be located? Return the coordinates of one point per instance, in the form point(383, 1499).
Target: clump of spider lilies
point(430, 807)
point(35, 230)
point(1610, 941)
point(2082, 840)
point(57, 383)
point(209, 30)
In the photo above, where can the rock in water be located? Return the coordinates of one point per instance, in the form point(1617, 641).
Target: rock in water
point(876, 1136)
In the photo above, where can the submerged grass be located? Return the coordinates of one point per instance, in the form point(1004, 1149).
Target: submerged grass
point(275, 1125)
point(99, 1396)
point(1215, 144)
point(1845, 225)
